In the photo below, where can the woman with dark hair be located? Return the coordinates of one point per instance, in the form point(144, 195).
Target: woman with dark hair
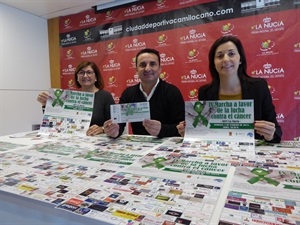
point(230, 81)
point(89, 79)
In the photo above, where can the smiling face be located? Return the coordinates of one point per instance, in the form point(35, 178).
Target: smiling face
point(86, 77)
point(227, 60)
point(148, 68)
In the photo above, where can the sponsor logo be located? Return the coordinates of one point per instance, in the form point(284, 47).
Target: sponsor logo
point(267, 48)
point(268, 71)
point(193, 94)
point(267, 25)
point(112, 31)
point(70, 70)
point(297, 47)
point(111, 80)
point(297, 95)
point(67, 23)
point(133, 62)
point(162, 39)
point(161, 4)
point(227, 28)
point(193, 36)
point(109, 14)
point(134, 10)
point(112, 65)
point(115, 97)
point(193, 77)
point(267, 45)
point(166, 60)
point(69, 54)
point(135, 45)
point(68, 40)
point(280, 117)
point(163, 75)
point(71, 84)
point(132, 81)
point(87, 36)
point(272, 91)
point(192, 56)
point(89, 52)
point(88, 20)
point(110, 47)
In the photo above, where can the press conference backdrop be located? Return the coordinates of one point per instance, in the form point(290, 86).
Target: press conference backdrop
point(183, 31)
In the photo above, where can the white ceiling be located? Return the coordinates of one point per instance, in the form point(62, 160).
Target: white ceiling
point(54, 8)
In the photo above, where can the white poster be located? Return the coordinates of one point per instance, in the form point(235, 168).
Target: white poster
point(221, 123)
point(67, 112)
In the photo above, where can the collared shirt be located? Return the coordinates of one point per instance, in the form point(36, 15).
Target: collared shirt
point(148, 97)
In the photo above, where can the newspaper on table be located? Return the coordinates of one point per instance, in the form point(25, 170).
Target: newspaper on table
point(262, 196)
point(67, 112)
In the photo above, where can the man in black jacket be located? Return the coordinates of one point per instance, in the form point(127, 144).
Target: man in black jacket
point(166, 101)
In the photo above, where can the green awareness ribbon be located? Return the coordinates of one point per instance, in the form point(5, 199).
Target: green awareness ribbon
point(260, 175)
point(58, 93)
point(156, 162)
point(129, 110)
point(198, 107)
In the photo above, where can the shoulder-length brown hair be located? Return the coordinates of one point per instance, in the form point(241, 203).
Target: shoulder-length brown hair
point(99, 79)
point(242, 70)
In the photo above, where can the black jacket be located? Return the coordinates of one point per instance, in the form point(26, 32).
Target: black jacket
point(166, 106)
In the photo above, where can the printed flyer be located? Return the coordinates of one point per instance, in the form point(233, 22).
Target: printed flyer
point(263, 196)
point(222, 123)
point(130, 112)
point(67, 112)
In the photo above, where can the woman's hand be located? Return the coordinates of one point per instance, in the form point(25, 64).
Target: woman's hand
point(94, 130)
point(265, 128)
point(42, 98)
point(181, 128)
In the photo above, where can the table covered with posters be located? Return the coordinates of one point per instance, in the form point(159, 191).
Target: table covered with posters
point(145, 180)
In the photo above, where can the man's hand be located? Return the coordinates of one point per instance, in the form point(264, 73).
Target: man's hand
point(152, 126)
point(111, 128)
point(181, 128)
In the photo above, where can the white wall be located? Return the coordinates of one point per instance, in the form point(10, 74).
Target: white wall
point(24, 69)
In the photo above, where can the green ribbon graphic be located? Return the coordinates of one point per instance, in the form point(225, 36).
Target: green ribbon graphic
point(129, 110)
point(156, 162)
point(198, 107)
point(58, 93)
point(261, 173)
